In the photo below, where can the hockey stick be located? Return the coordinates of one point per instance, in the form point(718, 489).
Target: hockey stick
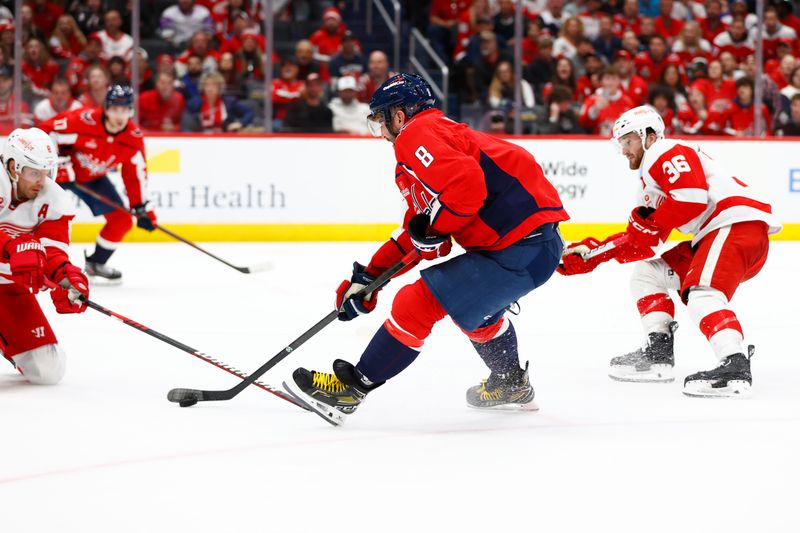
point(188, 397)
point(588, 253)
point(244, 270)
point(173, 342)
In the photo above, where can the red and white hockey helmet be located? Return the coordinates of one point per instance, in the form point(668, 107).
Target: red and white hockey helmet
point(638, 120)
point(31, 148)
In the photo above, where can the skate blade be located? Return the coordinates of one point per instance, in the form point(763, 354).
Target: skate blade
point(655, 374)
point(514, 407)
point(327, 413)
point(736, 389)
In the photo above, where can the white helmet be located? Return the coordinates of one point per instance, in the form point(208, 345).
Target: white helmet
point(638, 120)
point(30, 148)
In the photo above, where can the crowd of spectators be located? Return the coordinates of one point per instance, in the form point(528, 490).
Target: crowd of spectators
point(584, 63)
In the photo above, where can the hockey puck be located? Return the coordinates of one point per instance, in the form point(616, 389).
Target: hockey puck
point(187, 403)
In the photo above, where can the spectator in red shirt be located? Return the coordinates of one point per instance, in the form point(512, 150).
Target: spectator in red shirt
point(67, 40)
point(633, 86)
point(97, 83)
point(530, 43)
point(712, 25)
point(227, 15)
point(45, 15)
point(38, 67)
point(161, 109)
point(787, 16)
point(665, 24)
point(691, 44)
point(717, 91)
point(602, 109)
point(692, 122)
point(773, 33)
point(286, 89)
point(198, 46)
point(564, 76)
point(650, 64)
point(587, 84)
point(7, 102)
point(377, 73)
point(741, 114)
point(328, 39)
point(735, 40)
point(59, 101)
point(250, 59)
point(628, 19)
point(443, 25)
point(76, 68)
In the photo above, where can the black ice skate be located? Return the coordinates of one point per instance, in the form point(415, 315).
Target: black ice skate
point(511, 391)
point(331, 396)
point(652, 364)
point(731, 379)
point(101, 273)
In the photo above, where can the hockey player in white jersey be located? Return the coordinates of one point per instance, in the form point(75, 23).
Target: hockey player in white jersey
point(35, 217)
point(684, 188)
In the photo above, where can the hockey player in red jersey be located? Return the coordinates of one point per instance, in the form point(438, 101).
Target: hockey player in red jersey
point(35, 218)
point(683, 188)
point(493, 199)
point(92, 142)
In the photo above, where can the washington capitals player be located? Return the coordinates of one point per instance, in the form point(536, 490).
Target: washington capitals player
point(35, 220)
point(492, 197)
point(92, 142)
point(683, 187)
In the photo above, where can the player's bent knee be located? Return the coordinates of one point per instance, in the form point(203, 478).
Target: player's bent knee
point(415, 310)
point(651, 277)
point(44, 365)
point(705, 300)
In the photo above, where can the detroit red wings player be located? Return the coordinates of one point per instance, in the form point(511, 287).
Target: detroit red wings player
point(684, 188)
point(35, 221)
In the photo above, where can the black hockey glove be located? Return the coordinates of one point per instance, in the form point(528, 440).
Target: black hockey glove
point(429, 246)
point(145, 218)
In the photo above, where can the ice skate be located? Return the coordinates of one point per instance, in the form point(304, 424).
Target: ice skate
point(652, 364)
point(331, 396)
point(511, 391)
point(731, 379)
point(101, 273)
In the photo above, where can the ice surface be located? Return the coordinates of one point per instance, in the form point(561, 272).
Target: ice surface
point(105, 452)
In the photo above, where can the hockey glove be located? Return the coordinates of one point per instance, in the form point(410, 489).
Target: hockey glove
point(347, 303)
point(429, 246)
point(642, 233)
point(145, 219)
point(26, 257)
point(72, 284)
point(573, 262)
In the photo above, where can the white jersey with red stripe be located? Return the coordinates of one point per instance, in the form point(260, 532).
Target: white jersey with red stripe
point(47, 217)
point(693, 193)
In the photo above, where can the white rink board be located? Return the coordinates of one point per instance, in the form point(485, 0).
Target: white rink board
point(351, 181)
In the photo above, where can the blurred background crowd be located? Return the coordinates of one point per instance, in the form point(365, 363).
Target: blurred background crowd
point(203, 66)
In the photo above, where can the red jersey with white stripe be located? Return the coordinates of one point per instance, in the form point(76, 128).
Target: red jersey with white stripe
point(485, 192)
point(47, 217)
point(691, 192)
point(93, 152)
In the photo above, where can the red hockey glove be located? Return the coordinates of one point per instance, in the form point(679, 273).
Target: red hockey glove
point(26, 257)
point(573, 263)
point(429, 246)
point(65, 172)
point(642, 233)
point(72, 284)
point(145, 219)
point(350, 306)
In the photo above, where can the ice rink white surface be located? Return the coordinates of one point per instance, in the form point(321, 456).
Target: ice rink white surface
point(105, 452)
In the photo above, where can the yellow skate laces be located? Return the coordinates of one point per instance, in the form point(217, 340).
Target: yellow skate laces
point(328, 383)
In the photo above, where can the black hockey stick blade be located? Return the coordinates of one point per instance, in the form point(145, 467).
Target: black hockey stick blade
point(192, 396)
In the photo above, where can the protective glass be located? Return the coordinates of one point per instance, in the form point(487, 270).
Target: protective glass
point(374, 123)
